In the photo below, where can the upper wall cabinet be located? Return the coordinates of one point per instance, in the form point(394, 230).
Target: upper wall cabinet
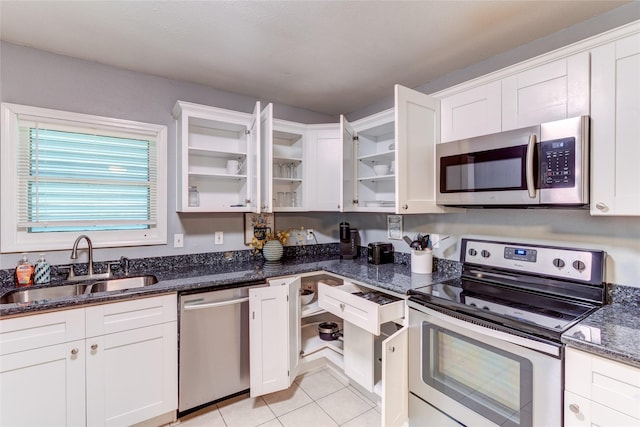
point(217, 159)
point(474, 112)
point(388, 158)
point(550, 91)
point(553, 91)
point(615, 127)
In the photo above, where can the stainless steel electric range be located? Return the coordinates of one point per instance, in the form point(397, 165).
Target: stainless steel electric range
point(485, 348)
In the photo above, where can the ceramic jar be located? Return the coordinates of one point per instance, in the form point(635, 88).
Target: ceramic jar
point(272, 250)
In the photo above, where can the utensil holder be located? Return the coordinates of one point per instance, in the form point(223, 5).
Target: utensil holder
point(422, 261)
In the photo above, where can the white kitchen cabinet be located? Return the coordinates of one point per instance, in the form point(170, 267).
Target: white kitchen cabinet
point(405, 135)
point(555, 90)
point(207, 138)
point(473, 112)
point(615, 128)
point(42, 370)
point(324, 168)
point(288, 175)
point(548, 92)
point(110, 364)
point(600, 391)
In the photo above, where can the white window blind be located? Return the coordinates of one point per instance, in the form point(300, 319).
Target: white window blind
point(63, 174)
point(71, 180)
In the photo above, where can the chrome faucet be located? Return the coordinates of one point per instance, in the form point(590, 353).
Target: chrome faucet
point(74, 252)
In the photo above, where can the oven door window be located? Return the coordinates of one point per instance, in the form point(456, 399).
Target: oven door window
point(492, 382)
point(501, 169)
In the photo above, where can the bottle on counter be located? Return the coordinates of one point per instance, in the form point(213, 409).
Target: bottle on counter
point(24, 272)
point(42, 271)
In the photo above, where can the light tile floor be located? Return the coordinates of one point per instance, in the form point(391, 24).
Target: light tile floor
point(317, 399)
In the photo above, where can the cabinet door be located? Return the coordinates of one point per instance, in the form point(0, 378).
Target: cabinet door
point(417, 129)
point(615, 128)
point(274, 335)
point(254, 141)
point(265, 170)
point(348, 176)
point(395, 379)
point(324, 160)
point(132, 375)
point(553, 91)
point(474, 112)
point(43, 386)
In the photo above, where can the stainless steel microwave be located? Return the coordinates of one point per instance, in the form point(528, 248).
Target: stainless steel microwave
point(543, 165)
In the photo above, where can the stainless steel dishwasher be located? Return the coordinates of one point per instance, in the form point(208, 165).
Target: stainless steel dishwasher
point(214, 346)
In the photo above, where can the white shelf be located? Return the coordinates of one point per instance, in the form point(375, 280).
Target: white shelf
point(217, 153)
point(218, 175)
point(312, 343)
point(312, 308)
point(385, 156)
point(375, 178)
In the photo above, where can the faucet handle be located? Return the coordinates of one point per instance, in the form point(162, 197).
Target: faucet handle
point(112, 264)
point(64, 268)
point(125, 264)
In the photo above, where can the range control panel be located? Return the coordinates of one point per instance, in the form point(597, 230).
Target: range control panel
point(563, 263)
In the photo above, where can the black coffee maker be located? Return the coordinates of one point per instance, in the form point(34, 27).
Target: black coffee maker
point(349, 241)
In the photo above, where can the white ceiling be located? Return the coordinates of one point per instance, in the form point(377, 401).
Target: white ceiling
point(327, 56)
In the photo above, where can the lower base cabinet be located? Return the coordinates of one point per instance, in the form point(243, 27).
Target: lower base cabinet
point(110, 364)
point(284, 342)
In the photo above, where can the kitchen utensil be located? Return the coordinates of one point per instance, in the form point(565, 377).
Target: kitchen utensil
point(381, 169)
point(408, 240)
point(306, 296)
point(329, 331)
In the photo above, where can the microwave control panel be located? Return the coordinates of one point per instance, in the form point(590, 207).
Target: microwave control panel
point(557, 163)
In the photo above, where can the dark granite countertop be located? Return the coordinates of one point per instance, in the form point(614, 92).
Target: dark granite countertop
point(396, 278)
point(613, 332)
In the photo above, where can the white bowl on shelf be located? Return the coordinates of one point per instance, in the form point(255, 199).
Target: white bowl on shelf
point(306, 296)
point(381, 169)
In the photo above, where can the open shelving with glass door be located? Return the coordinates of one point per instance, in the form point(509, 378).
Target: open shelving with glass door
point(375, 148)
point(288, 167)
point(215, 148)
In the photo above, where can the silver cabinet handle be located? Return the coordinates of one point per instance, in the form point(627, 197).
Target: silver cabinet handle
point(94, 347)
point(574, 408)
point(405, 207)
point(74, 351)
point(601, 206)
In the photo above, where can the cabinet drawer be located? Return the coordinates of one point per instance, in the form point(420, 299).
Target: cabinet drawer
point(123, 316)
point(607, 382)
point(41, 330)
point(359, 305)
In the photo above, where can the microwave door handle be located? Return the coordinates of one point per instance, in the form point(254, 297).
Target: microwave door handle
point(531, 184)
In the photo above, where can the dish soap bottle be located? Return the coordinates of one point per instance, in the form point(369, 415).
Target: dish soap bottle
point(24, 272)
point(42, 273)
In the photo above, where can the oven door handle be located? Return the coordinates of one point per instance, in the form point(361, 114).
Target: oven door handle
point(531, 183)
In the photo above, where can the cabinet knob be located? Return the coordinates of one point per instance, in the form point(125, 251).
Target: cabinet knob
point(574, 408)
point(342, 306)
point(405, 207)
point(601, 206)
point(392, 349)
point(74, 351)
point(94, 347)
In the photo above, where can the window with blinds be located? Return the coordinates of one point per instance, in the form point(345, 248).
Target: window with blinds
point(77, 174)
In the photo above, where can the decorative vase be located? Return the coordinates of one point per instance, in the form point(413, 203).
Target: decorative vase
point(272, 250)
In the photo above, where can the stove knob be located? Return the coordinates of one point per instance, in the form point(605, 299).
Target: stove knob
point(579, 265)
point(473, 252)
point(473, 304)
point(558, 263)
point(485, 308)
point(485, 253)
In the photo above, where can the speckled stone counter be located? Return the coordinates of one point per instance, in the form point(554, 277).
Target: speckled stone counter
point(612, 332)
point(396, 278)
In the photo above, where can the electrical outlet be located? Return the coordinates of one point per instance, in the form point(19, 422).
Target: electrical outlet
point(178, 240)
point(310, 234)
point(218, 238)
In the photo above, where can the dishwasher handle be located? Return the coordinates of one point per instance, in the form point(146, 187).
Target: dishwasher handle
point(201, 306)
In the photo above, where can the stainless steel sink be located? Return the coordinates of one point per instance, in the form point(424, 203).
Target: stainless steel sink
point(26, 295)
point(35, 294)
point(122, 283)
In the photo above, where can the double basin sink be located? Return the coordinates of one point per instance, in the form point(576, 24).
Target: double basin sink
point(26, 295)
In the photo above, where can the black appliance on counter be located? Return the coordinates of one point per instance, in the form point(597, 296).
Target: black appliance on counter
point(380, 253)
point(349, 241)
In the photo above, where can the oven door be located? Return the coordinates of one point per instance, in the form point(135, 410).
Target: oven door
point(479, 376)
point(498, 169)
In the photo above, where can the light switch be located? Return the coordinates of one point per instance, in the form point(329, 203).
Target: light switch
point(218, 238)
point(178, 240)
